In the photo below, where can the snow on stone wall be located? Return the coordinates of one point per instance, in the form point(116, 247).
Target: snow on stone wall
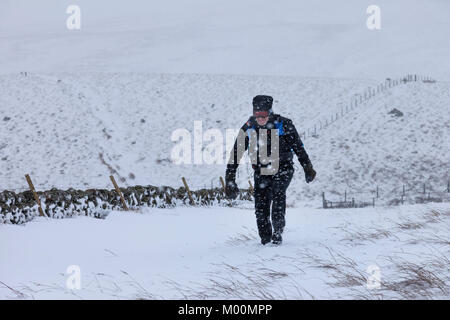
point(18, 208)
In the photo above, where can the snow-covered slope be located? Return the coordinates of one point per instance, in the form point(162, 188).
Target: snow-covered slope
point(74, 130)
point(370, 147)
point(57, 130)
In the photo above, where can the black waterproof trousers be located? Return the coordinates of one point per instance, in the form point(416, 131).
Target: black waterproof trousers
point(270, 190)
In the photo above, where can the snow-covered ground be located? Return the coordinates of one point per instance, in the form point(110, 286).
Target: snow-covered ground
point(214, 253)
point(77, 106)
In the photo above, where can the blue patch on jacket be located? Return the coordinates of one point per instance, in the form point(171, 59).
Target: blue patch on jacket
point(279, 126)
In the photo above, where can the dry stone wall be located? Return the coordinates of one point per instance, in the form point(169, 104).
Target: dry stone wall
point(18, 208)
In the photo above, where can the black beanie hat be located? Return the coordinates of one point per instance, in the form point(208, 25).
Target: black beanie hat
point(262, 103)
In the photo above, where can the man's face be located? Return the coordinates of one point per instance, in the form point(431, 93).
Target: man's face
point(261, 117)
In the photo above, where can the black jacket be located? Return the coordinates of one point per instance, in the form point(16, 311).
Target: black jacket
point(289, 143)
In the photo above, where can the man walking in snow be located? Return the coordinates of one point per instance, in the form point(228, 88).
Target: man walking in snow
point(271, 140)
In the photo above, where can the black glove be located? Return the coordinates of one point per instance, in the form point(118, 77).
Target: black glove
point(231, 189)
point(310, 173)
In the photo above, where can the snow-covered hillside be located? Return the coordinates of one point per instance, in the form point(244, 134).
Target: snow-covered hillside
point(138, 70)
point(75, 130)
point(326, 38)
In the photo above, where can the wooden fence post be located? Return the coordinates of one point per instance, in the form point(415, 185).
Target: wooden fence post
point(223, 185)
point(119, 192)
point(224, 190)
point(324, 203)
point(188, 191)
point(251, 187)
point(36, 197)
point(377, 192)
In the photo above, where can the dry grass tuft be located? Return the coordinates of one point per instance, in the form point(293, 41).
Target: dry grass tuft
point(232, 282)
point(242, 238)
point(368, 234)
point(409, 225)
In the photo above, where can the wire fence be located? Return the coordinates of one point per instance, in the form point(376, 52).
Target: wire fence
point(405, 194)
point(359, 100)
